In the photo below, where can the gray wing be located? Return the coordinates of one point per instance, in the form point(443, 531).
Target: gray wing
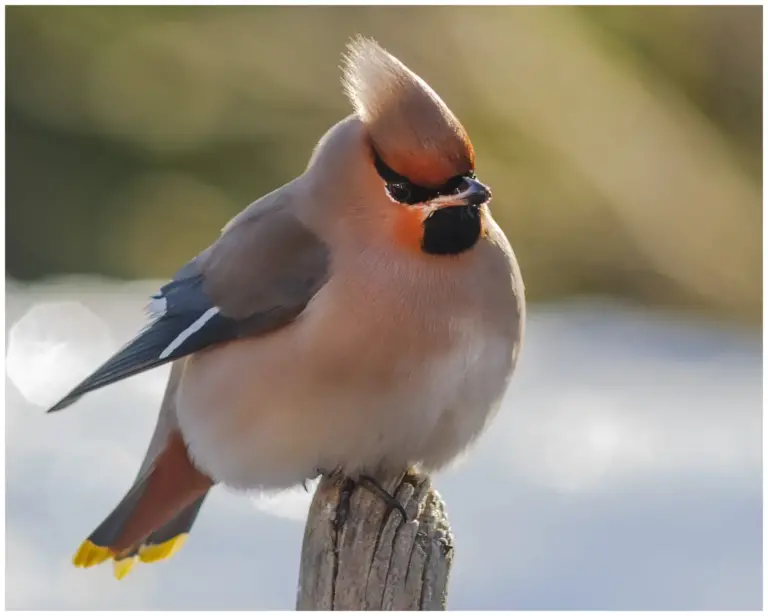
point(258, 276)
point(167, 422)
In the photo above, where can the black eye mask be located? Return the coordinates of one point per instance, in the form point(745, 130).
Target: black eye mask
point(402, 190)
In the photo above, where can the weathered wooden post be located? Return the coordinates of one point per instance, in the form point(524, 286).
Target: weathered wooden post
point(355, 558)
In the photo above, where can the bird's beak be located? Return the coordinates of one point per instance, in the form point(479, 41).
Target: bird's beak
point(470, 192)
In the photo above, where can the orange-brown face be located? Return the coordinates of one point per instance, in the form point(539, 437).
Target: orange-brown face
point(408, 226)
point(421, 152)
point(422, 142)
point(447, 219)
point(432, 165)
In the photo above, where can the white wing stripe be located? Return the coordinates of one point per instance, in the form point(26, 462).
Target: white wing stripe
point(157, 306)
point(196, 326)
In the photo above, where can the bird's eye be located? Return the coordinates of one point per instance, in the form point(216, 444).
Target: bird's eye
point(399, 191)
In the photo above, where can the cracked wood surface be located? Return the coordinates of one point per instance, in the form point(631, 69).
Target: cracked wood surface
point(358, 556)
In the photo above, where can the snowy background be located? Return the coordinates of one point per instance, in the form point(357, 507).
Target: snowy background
point(624, 471)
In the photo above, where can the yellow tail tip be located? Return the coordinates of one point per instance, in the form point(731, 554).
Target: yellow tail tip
point(90, 555)
point(123, 567)
point(153, 553)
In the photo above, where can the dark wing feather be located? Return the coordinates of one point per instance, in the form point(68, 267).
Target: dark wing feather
point(258, 276)
point(186, 306)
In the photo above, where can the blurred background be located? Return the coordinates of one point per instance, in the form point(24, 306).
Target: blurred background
point(624, 148)
point(623, 144)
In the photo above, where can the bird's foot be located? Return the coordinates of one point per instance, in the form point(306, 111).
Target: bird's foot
point(374, 487)
point(369, 483)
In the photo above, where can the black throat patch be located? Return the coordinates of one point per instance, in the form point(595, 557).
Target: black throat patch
point(451, 230)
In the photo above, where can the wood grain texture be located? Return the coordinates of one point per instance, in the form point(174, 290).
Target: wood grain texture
point(358, 556)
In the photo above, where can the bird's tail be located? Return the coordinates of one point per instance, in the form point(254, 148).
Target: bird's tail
point(153, 519)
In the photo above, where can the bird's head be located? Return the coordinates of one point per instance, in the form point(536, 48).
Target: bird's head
point(405, 156)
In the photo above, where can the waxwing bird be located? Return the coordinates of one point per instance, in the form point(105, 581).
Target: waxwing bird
point(366, 317)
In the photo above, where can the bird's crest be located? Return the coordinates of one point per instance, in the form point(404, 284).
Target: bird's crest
point(411, 128)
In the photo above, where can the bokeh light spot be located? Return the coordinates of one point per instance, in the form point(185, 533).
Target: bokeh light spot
point(53, 347)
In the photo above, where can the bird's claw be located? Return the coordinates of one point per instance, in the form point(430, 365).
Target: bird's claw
point(370, 484)
point(374, 487)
